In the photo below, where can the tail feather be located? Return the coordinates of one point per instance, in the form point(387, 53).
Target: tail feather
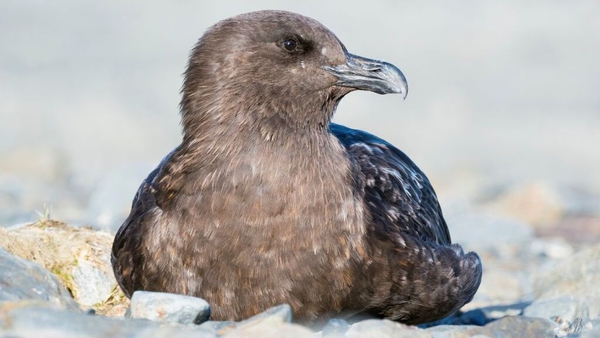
point(428, 281)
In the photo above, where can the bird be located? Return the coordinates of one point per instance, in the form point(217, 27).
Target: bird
point(266, 201)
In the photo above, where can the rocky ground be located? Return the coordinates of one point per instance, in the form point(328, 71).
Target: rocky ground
point(541, 279)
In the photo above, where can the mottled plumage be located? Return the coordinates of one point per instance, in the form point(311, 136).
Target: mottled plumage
point(266, 202)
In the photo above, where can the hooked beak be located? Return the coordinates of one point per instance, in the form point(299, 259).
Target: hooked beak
point(366, 74)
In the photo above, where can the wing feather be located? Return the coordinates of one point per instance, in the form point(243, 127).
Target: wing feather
point(397, 193)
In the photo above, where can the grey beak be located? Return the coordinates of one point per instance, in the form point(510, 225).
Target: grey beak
point(366, 74)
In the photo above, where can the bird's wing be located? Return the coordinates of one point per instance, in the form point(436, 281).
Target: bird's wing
point(397, 194)
point(126, 259)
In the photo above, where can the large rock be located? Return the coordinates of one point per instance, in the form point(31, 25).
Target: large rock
point(577, 277)
point(24, 280)
point(79, 257)
point(39, 321)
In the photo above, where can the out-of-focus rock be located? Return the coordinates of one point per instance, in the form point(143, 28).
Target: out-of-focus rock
point(79, 257)
point(24, 280)
point(554, 248)
point(536, 203)
point(161, 306)
point(577, 276)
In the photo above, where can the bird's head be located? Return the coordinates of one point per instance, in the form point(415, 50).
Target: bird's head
point(279, 68)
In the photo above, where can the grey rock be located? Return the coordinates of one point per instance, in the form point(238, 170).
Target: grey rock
point(94, 284)
point(375, 328)
point(51, 322)
point(161, 306)
point(24, 280)
point(566, 308)
point(577, 276)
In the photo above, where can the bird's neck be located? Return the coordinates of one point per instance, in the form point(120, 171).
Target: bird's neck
point(243, 128)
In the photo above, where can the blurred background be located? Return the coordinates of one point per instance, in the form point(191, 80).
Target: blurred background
point(503, 112)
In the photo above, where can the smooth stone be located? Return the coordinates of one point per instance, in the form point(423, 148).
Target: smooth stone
point(161, 306)
point(24, 280)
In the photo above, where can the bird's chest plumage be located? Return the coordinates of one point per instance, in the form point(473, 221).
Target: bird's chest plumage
point(274, 228)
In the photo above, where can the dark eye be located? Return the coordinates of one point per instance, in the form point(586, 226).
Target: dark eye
point(290, 45)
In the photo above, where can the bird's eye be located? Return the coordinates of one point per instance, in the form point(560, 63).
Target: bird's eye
point(290, 45)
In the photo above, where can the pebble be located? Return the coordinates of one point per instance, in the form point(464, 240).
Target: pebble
point(161, 306)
